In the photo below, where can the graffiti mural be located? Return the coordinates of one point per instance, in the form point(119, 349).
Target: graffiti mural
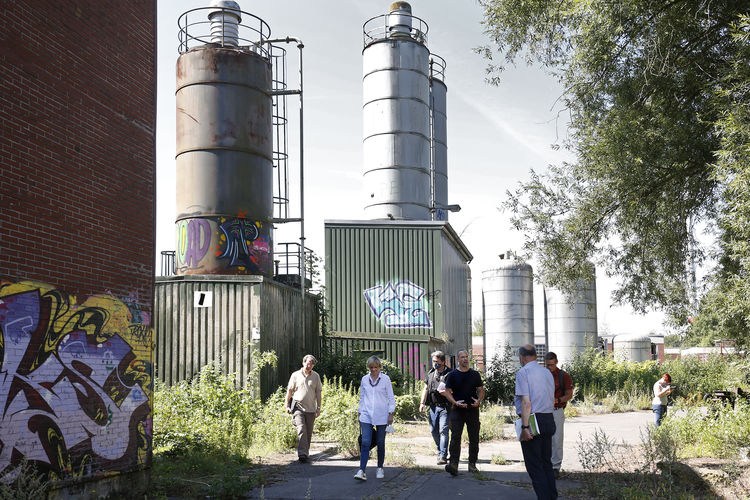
point(75, 383)
point(399, 305)
point(224, 245)
point(193, 241)
point(245, 247)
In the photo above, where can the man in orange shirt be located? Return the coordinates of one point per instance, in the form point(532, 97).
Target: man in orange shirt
point(563, 394)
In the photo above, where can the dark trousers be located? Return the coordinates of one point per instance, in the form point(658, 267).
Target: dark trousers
point(459, 417)
point(537, 457)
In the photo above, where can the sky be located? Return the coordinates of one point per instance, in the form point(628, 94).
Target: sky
point(496, 134)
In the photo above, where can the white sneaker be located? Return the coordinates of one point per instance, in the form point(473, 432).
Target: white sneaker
point(380, 474)
point(360, 475)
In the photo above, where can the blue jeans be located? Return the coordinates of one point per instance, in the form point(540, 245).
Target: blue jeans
point(439, 427)
point(367, 436)
point(660, 411)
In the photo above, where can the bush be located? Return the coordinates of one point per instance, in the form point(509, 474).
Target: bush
point(599, 374)
point(500, 377)
point(350, 368)
point(338, 417)
point(407, 407)
point(719, 431)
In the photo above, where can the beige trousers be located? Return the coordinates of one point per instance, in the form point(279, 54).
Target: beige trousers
point(304, 422)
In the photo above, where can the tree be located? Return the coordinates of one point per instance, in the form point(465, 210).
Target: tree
point(640, 82)
point(477, 329)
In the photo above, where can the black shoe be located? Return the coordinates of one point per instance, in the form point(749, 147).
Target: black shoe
point(557, 473)
point(473, 468)
point(442, 461)
point(452, 469)
point(302, 459)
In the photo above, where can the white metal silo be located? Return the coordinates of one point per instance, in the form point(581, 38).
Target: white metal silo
point(570, 321)
point(396, 115)
point(632, 347)
point(508, 297)
point(439, 137)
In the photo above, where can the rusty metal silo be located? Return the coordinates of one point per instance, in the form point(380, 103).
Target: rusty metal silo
point(224, 143)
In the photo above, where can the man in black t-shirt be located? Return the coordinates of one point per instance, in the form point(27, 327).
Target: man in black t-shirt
point(465, 390)
point(433, 397)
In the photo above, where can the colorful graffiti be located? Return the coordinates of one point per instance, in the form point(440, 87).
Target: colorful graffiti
point(244, 244)
point(193, 241)
point(399, 305)
point(75, 383)
point(409, 362)
point(218, 245)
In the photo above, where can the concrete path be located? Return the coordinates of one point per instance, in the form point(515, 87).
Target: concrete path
point(331, 478)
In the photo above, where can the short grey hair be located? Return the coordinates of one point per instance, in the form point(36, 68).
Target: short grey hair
point(374, 360)
point(309, 356)
point(439, 355)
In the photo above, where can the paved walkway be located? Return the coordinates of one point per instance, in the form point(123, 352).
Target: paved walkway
point(331, 478)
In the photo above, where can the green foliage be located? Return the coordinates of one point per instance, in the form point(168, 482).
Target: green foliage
point(694, 377)
point(599, 374)
point(491, 422)
point(201, 474)
point(351, 367)
point(500, 377)
point(719, 432)
point(23, 481)
point(273, 430)
point(477, 328)
point(407, 407)
point(338, 416)
point(647, 125)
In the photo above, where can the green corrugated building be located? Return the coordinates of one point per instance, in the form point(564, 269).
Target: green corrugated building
point(397, 288)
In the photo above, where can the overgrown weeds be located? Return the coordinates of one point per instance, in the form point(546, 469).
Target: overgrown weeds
point(23, 481)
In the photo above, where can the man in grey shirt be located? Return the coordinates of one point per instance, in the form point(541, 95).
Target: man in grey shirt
point(535, 393)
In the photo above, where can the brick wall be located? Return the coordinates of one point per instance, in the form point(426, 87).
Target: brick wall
point(77, 190)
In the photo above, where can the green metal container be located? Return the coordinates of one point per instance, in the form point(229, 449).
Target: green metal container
point(204, 319)
point(401, 288)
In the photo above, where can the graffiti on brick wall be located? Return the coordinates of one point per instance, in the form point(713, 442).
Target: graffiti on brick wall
point(224, 242)
point(399, 305)
point(75, 383)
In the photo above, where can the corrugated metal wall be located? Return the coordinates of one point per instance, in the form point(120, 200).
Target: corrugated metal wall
point(363, 255)
point(359, 258)
point(455, 302)
point(245, 311)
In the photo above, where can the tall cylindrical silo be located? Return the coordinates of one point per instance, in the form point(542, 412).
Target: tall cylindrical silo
point(396, 116)
point(439, 137)
point(224, 146)
point(571, 320)
point(632, 347)
point(508, 296)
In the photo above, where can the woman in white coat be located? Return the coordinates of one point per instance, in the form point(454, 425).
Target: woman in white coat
point(376, 407)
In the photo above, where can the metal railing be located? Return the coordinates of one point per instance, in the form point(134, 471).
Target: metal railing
point(168, 263)
point(195, 29)
point(288, 261)
point(437, 67)
point(381, 28)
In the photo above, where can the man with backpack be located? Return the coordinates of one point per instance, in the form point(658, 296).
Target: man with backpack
point(434, 399)
point(563, 394)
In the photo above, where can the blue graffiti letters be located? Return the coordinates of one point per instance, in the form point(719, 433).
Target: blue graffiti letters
point(399, 305)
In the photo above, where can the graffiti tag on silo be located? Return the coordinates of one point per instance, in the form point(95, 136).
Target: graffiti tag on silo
point(399, 305)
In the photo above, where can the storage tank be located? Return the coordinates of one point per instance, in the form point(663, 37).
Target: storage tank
point(396, 116)
point(632, 347)
point(439, 137)
point(508, 297)
point(571, 323)
point(224, 162)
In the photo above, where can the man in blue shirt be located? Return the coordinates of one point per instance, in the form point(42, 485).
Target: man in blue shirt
point(535, 393)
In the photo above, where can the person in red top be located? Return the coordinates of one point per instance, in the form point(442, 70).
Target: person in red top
point(563, 394)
